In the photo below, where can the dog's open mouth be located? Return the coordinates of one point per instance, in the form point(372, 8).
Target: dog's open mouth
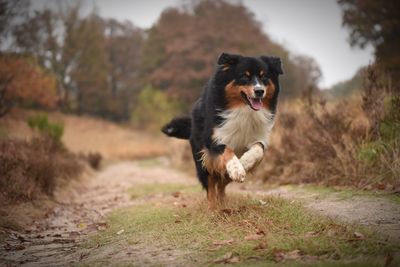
point(254, 103)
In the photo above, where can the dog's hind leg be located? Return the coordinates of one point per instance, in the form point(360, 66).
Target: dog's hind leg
point(222, 183)
point(211, 192)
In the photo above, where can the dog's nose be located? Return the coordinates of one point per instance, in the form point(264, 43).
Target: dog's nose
point(259, 92)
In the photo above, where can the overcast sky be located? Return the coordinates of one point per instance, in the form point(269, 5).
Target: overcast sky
point(311, 27)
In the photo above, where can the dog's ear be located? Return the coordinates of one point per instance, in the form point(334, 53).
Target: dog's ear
point(274, 63)
point(228, 59)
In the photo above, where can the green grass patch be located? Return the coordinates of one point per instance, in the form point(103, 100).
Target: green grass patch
point(280, 224)
point(348, 193)
point(165, 189)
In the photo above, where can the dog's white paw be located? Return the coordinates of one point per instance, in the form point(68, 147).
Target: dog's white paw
point(235, 170)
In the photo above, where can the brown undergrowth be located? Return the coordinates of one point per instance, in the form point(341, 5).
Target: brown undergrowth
point(346, 142)
point(32, 168)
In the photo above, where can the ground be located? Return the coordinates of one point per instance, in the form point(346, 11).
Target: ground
point(117, 216)
point(140, 209)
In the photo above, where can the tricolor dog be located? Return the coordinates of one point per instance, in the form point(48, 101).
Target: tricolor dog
point(231, 122)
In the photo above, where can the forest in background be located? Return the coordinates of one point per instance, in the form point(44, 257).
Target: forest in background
point(117, 71)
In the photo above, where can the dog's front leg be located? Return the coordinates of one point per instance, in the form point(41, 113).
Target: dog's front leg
point(253, 156)
point(222, 160)
point(234, 167)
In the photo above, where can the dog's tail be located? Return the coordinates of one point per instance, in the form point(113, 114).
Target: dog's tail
point(179, 127)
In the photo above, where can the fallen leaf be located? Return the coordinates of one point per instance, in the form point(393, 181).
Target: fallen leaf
point(7, 246)
point(101, 227)
point(233, 260)
point(120, 231)
point(261, 246)
point(256, 258)
point(17, 247)
point(280, 255)
point(82, 225)
point(312, 233)
point(83, 255)
point(74, 234)
point(178, 221)
point(359, 235)
point(22, 238)
point(223, 242)
point(380, 186)
point(293, 255)
point(260, 232)
point(228, 211)
point(253, 237)
point(176, 194)
point(227, 258)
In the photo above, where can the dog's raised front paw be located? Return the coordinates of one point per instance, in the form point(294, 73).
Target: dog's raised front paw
point(235, 170)
point(252, 157)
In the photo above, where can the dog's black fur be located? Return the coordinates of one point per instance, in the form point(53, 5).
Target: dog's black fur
point(231, 70)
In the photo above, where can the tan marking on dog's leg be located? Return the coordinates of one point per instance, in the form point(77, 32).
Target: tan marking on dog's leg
point(211, 193)
point(222, 183)
point(253, 156)
point(226, 163)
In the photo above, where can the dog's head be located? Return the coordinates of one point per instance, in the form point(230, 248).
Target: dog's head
point(251, 81)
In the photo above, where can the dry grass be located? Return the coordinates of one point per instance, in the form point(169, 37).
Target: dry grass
point(87, 135)
point(342, 142)
point(83, 134)
point(30, 169)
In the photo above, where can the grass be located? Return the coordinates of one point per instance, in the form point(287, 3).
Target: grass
point(348, 193)
point(165, 189)
point(186, 224)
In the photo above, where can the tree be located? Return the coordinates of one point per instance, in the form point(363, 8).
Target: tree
point(50, 36)
point(376, 23)
point(91, 68)
point(123, 45)
point(9, 12)
point(95, 60)
point(182, 47)
point(24, 82)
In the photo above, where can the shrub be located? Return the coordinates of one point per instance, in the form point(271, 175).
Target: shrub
point(153, 108)
point(94, 160)
point(41, 124)
point(29, 169)
point(350, 142)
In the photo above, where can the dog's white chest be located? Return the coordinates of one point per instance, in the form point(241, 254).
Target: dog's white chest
point(243, 127)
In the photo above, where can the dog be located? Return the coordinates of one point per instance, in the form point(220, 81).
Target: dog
point(230, 123)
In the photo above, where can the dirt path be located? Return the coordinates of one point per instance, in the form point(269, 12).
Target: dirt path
point(81, 210)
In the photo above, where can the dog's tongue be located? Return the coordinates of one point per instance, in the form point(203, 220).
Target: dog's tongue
point(256, 103)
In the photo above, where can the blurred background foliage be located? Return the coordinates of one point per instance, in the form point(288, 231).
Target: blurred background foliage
point(98, 66)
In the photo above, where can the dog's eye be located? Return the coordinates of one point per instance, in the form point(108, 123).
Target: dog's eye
point(244, 79)
point(264, 79)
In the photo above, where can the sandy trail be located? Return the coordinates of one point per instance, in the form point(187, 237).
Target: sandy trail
point(80, 210)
